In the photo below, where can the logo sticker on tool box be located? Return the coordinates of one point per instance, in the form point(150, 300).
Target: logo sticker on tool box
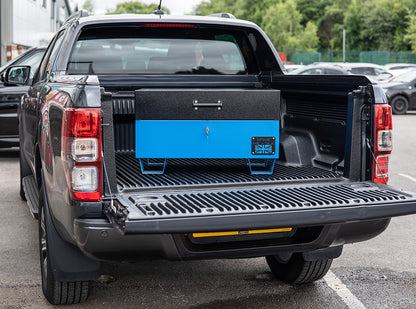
point(263, 145)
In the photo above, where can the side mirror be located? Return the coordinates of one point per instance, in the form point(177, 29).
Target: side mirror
point(17, 75)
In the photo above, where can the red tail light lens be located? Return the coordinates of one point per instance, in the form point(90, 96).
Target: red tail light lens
point(383, 142)
point(383, 166)
point(84, 123)
point(81, 153)
point(384, 119)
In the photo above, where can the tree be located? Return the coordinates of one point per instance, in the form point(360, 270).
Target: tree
point(307, 39)
point(282, 24)
point(401, 18)
point(253, 11)
point(370, 24)
point(136, 7)
point(378, 24)
point(377, 28)
point(330, 27)
point(353, 25)
point(249, 10)
point(410, 36)
point(312, 10)
point(89, 6)
point(215, 6)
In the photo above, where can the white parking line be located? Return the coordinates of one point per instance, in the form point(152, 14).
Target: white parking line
point(408, 177)
point(349, 299)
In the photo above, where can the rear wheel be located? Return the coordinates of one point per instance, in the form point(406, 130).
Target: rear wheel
point(399, 105)
point(56, 292)
point(296, 270)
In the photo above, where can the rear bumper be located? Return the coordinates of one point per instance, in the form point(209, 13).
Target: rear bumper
point(161, 224)
point(100, 240)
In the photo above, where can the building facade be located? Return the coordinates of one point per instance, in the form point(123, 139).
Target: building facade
point(27, 23)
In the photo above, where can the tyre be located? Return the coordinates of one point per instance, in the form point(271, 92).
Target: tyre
point(296, 270)
point(56, 292)
point(399, 105)
point(24, 171)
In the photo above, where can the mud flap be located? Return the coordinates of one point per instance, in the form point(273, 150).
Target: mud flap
point(67, 261)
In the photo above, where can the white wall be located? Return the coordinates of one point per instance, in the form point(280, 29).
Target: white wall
point(31, 22)
point(6, 26)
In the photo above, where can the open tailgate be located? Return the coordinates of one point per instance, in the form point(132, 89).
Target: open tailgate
point(255, 207)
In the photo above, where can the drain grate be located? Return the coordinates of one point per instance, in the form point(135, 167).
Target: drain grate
point(262, 200)
point(192, 172)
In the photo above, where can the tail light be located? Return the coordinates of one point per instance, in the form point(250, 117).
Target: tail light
point(163, 25)
point(81, 152)
point(383, 142)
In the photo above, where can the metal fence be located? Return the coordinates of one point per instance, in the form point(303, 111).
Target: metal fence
point(378, 57)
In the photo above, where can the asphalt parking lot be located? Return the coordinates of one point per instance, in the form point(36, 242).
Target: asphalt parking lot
point(380, 273)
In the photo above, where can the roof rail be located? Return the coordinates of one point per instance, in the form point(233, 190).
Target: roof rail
point(76, 15)
point(223, 15)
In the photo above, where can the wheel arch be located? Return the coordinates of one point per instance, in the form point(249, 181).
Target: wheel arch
point(402, 94)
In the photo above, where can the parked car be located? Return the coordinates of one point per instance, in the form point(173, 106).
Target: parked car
point(101, 110)
point(291, 67)
point(10, 95)
point(401, 92)
point(389, 76)
point(319, 69)
point(384, 77)
point(369, 70)
point(398, 66)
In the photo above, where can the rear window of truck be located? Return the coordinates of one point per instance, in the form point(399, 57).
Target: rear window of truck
point(156, 49)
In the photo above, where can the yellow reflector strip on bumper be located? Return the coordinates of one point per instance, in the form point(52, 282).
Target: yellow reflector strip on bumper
point(230, 233)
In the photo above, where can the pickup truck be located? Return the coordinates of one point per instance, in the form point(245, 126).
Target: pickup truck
point(154, 136)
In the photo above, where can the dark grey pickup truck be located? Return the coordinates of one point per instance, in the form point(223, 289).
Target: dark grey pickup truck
point(148, 136)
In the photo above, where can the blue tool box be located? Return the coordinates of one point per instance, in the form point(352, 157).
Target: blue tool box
point(214, 124)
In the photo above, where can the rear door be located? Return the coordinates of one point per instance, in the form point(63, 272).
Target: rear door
point(36, 95)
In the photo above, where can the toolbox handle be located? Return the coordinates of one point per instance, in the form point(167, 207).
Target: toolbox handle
point(217, 104)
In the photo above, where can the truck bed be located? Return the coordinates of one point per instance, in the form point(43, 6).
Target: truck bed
point(301, 161)
point(204, 172)
point(312, 183)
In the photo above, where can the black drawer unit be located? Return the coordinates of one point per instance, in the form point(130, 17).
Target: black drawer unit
point(208, 123)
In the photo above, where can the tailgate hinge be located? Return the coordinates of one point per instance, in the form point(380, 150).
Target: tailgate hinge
point(115, 214)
